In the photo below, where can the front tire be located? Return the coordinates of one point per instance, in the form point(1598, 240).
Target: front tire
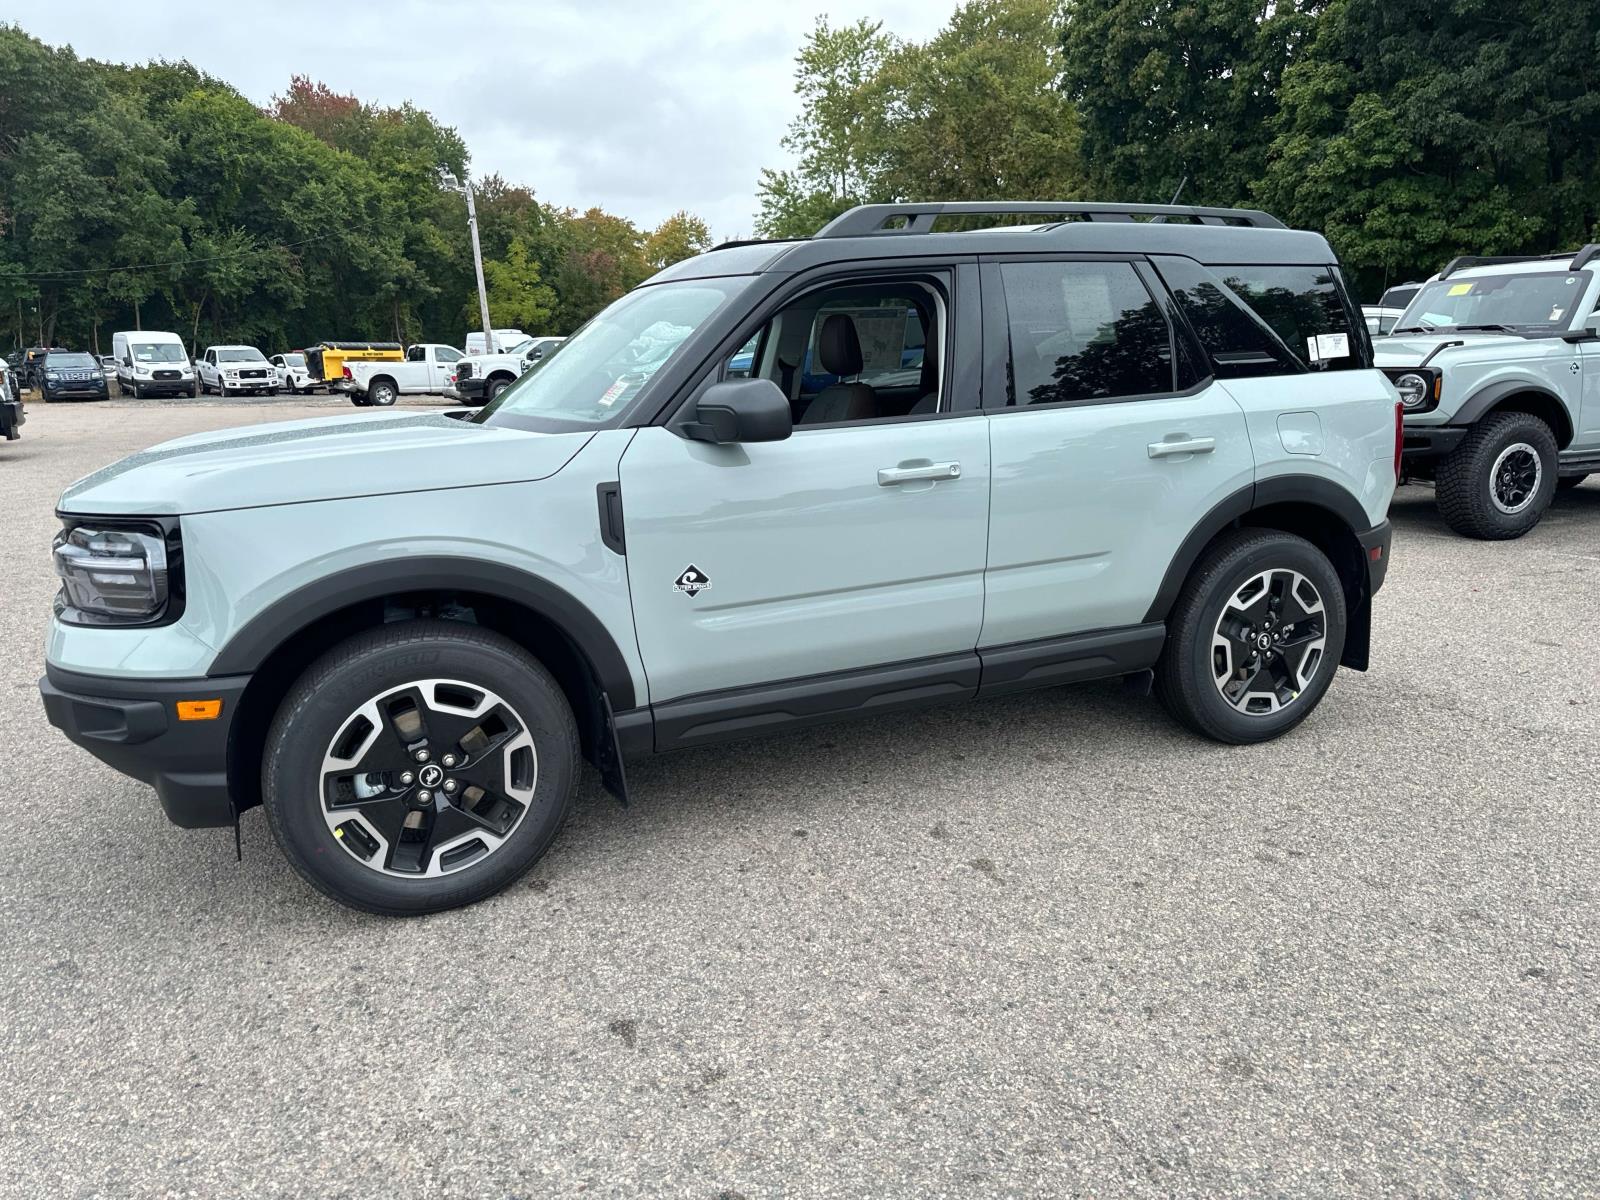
point(1255, 638)
point(496, 386)
point(419, 766)
point(1498, 483)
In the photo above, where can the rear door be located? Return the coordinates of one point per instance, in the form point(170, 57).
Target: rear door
point(1108, 445)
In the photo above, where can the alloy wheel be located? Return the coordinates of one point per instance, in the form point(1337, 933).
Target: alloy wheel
point(428, 778)
point(1269, 642)
point(1515, 477)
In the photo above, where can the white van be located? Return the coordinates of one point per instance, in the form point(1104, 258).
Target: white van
point(150, 363)
point(504, 340)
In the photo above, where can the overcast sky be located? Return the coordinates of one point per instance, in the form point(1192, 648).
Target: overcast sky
point(640, 107)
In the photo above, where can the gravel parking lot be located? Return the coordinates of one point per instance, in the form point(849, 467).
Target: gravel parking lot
point(1047, 945)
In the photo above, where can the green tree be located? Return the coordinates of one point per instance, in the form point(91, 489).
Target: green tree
point(680, 236)
point(1175, 89)
point(836, 134)
point(518, 296)
point(1411, 136)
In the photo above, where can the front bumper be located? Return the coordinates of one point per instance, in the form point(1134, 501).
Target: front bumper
point(1422, 442)
point(132, 725)
point(160, 387)
point(77, 391)
point(472, 391)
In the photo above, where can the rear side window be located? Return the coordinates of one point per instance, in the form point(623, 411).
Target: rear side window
point(1084, 331)
point(1267, 320)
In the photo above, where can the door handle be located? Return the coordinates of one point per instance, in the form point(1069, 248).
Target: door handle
point(1182, 446)
point(890, 476)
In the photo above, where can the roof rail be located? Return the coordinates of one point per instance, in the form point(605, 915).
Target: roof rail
point(865, 220)
point(1462, 262)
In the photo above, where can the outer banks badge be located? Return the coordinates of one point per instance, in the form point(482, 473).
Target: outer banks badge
point(692, 582)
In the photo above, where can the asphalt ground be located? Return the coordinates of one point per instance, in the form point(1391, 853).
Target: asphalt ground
point(1045, 945)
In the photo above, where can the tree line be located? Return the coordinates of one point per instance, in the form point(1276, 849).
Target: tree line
point(1407, 133)
point(159, 197)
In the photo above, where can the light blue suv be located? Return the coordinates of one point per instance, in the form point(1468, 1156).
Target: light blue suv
point(1141, 440)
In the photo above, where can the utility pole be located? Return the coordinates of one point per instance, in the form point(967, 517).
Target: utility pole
point(465, 186)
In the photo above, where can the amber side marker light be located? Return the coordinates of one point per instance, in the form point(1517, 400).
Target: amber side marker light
point(199, 710)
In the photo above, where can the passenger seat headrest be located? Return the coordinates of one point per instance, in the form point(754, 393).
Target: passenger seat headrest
point(839, 346)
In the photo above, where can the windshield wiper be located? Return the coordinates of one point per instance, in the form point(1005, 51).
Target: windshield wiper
point(1487, 328)
point(1423, 328)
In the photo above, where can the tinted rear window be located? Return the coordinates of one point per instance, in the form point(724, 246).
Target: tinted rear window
point(1268, 320)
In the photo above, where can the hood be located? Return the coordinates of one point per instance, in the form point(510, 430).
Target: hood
point(323, 458)
point(1407, 350)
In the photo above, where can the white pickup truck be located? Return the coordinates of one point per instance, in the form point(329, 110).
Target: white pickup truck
point(479, 378)
point(428, 368)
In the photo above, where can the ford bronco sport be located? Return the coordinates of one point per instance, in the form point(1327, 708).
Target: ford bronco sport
point(1498, 364)
point(1133, 439)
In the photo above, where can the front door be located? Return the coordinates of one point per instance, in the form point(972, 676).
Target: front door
point(781, 560)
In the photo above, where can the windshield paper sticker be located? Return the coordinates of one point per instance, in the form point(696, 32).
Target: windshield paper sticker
point(1460, 289)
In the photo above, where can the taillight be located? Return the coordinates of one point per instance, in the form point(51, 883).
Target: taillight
point(1399, 437)
point(347, 374)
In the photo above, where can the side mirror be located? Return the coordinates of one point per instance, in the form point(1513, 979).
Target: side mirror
point(741, 410)
point(1587, 332)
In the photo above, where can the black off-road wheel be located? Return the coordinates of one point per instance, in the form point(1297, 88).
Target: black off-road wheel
point(1255, 638)
point(419, 766)
point(1499, 481)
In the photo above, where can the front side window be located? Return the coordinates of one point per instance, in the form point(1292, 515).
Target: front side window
point(605, 365)
point(1084, 331)
point(448, 354)
point(1539, 300)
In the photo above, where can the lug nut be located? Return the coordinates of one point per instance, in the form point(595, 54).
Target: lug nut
point(449, 785)
point(406, 778)
point(425, 796)
point(449, 760)
point(422, 756)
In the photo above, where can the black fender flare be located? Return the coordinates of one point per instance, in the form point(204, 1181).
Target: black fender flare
point(250, 646)
point(1279, 489)
point(1485, 398)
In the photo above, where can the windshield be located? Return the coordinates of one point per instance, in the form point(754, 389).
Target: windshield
point(239, 354)
point(295, 362)
point(156, 352)
point(604, 366)
point(71, 362)
point(1543, 300)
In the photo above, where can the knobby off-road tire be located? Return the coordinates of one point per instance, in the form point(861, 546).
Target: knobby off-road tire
point(1250, 584)
point(1499, 481)
point(371, 725)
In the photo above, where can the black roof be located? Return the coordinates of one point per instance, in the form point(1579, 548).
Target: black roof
point(1222, 236)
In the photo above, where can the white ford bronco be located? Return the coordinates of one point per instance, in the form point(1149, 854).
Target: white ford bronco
point(1497, 361)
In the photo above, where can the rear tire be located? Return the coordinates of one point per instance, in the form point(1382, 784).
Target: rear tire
point(381, 394)
point(1501, 479)
point(1252, 583)
point(310, 767)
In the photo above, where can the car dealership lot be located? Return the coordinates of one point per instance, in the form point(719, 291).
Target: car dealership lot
point(1043, 944)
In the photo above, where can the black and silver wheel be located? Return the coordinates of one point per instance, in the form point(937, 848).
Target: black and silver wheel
point(1255, 637)
point(418, 767)
point(1499, 481)
point(496, 386)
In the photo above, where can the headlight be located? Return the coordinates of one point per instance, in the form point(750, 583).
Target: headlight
point(52, 376)
point(141, 369)
point(1413, 390)
point(112, 575)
